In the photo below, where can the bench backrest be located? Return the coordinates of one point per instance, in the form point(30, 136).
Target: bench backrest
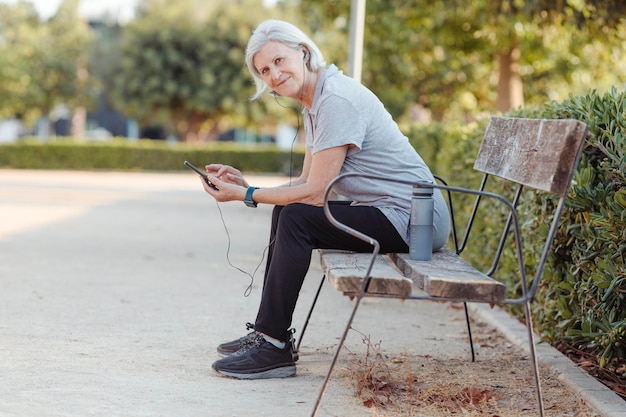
point(534, 152)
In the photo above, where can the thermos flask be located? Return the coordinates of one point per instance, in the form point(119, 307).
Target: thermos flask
point(421, 226)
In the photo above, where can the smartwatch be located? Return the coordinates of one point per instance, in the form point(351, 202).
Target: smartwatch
point(249, 201)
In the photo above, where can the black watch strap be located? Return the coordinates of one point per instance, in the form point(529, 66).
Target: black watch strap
point(248, 200)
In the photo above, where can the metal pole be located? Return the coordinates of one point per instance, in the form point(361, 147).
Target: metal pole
point(357, 25)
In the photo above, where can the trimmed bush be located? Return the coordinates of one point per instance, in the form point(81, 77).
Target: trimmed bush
point(584, 301)
point(582, 298)
point(121, 154)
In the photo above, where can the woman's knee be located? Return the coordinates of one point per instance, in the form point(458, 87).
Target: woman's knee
point(299, 220)
point(276, 212)
point(292, 214)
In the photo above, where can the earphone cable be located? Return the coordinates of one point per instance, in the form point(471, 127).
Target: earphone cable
point(298, 111)
point(248, 290)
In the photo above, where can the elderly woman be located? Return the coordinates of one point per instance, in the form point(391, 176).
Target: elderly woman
point(347, 130)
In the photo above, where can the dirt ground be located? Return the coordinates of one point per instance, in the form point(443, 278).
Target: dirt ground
point(499, 384)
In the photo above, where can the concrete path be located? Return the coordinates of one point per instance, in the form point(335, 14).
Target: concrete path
point(116, 289)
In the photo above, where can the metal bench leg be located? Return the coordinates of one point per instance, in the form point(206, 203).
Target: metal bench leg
point(334, 361)
point(469, 332)
point(308, 317)
point(533, 356)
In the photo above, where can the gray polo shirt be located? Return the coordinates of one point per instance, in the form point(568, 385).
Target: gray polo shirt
point(345, 112)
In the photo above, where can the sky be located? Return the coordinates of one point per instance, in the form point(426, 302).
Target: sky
point(121, 9)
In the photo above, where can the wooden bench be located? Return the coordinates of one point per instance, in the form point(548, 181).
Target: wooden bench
point(534, 154)
point(446, 276)
point(345, 271)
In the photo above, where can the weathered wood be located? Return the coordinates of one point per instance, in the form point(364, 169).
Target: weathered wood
point(346, 270)
point(534, 152)
point(447, 275)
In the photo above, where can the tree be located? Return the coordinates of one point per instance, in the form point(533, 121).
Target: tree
point(42, 62)
point(415, 51)
point(19, 30)
point(459, 57)
point(571, 25)
point(184, 66)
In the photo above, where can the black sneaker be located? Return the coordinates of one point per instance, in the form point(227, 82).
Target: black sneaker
point(258, 360)
point(231, 347)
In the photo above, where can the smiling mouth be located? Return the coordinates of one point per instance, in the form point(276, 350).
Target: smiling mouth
point(282, 82)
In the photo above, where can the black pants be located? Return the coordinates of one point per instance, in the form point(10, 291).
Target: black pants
point(296, 230)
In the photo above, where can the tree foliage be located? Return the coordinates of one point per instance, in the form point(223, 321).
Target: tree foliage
point(180, 63)
point(41, 63)
point(185, 65)
point(458, 57)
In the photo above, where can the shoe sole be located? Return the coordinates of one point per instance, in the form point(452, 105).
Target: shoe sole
point(282, 372)
point(224, 354)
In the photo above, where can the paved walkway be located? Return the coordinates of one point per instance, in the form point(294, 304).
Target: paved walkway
point(116, 288)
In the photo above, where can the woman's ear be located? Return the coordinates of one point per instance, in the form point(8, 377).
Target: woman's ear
point(306, 56)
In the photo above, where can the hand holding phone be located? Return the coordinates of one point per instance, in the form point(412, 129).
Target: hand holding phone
point(202, 174)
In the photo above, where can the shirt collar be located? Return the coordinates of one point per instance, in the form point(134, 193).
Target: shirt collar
point(319, 88)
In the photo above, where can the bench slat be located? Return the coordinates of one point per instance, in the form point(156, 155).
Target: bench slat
point(448, 275)
point(345, 271)
point(535, 152)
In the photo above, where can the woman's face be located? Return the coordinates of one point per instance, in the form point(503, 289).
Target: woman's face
point(282, 68)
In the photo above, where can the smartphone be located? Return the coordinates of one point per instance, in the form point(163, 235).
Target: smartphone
point(202, 174)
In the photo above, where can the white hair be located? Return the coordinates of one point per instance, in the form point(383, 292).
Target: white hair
point(286, 33)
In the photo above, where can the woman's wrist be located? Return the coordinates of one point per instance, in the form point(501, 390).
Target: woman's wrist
point(248, 199)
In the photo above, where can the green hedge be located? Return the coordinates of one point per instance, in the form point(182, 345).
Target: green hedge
point(120, 154)
point(585, 301)
point(582, 298)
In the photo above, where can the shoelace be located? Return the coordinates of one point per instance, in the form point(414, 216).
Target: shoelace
point(243, 342)
point(255, 340)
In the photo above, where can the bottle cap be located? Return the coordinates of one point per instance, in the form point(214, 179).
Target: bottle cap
point(424, 190)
